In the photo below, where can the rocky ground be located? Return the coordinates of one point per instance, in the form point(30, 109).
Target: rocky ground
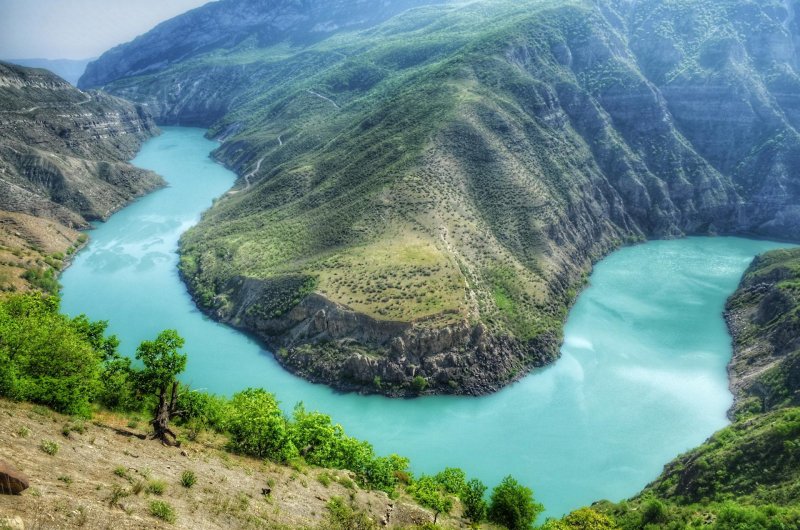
point(104, 474)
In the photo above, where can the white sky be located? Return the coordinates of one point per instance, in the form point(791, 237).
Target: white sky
point(78, 29)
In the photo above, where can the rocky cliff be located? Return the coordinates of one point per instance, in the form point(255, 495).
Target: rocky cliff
point(64, 152)
point(63, 163)
point(764, 318)
point(446, 178)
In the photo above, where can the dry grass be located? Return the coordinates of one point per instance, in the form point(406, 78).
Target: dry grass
point(229, 492)
point(403, 278)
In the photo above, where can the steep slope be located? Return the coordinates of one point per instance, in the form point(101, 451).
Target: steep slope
point(422, 199)
point(764, 319)
point(64, 151)
point(63, 163)
point(222, 26)
point(98, 478)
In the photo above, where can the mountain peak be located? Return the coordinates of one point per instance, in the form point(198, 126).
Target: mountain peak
point(228, 23)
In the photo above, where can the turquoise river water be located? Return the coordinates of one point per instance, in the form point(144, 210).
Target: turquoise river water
point(641, 379)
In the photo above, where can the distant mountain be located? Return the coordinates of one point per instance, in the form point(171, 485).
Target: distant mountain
point(423, 197)
point(68, 69)
point(232, 23)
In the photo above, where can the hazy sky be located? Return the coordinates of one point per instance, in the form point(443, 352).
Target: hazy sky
point(78, 29)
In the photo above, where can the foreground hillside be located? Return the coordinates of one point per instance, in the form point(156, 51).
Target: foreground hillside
point(102, 476)
point(422, 199)
point(63, 162)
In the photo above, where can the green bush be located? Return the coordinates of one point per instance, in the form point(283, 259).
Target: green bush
point(452, 479)
point(156, 487)
point(48, 446)
point(258, 428)
point(200, 411)
point(513, 506)
point(49, 358)
point(341, 516)
point(188, 479)
point(473, 501)
point(429, 493)
point(163, 511)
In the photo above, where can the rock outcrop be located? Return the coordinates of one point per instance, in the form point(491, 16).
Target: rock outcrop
point(764, 319)
point(63, 163)
point(64, 152)
point(12, 481)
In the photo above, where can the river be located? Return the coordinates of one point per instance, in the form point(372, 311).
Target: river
point(642, 377)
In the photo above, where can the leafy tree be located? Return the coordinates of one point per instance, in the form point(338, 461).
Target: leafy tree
point(474, 503)
point(318, 439)
point(162, 364)
point(582, 519)
point(257, 426)
point(118, 389)
point(452, 479)
point(428, 492)
point(381, 472)
point(201, 410)
point(48, 358)
point(513, 506)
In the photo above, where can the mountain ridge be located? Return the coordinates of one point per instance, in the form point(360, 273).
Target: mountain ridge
point(503, 160)
point(63, 163)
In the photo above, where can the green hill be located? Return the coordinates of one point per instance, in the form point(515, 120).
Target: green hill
point(421, 199)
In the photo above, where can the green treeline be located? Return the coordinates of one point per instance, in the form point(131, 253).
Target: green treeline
point(746, 477)
point(70, 365)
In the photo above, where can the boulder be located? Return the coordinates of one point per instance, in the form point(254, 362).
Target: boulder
point(12, 481)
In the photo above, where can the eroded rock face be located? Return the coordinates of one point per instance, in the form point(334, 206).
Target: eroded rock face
point(328, 343)
point(64, 152)
point(12, 481)
point(763, 316)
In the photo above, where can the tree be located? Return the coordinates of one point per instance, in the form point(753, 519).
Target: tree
point(48, 358)
point(474, 503)
point(513, 506)
point(162, 364)
point(258, 427)
point(452, 479)
point(429, 493)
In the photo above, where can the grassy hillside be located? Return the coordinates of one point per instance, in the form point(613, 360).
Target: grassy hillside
point(505, 145)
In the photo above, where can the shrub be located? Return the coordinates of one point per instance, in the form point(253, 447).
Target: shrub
point(48, 446)
point(49, 358)
point(452, 479)
point(257, 426)
point(513, 506)
point(188, 479)
point(474, 503)
point(343, 517)
point(419, 384)
point(156, 487)
point(163, 511)
point(429, 493)
point(654, 512)
point(200, 411)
